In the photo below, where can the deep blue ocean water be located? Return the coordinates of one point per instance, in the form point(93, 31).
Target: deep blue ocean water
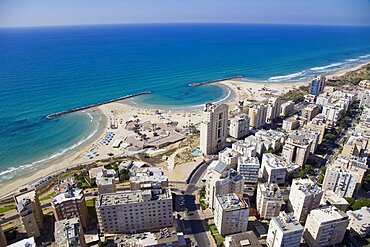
point(48, 69)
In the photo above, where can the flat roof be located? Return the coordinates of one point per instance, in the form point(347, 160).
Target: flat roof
point(287, 222)
point(126, 197)
point(327, 214)
point(243, 239)
point(69, 195)
point(231, 202)
point(307, 186)
point(65, 230)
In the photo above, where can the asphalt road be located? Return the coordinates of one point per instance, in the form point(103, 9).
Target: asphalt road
point(198, 226)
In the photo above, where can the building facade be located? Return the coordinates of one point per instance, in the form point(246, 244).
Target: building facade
point(231, 214)
point(239, 127)
point(134, 211)
point(304, 196)
point(284, 230)
point(317, 85)
point(69, 204)
point(30, 211)
point(269, 200)
point(249, 169)
point(257, 115)
point(213, 128)
point(325, 227)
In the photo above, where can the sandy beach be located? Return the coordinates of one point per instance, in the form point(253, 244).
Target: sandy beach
point(121, 112)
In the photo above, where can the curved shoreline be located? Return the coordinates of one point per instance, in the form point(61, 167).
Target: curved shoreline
point(76, 155)
point(66, 160)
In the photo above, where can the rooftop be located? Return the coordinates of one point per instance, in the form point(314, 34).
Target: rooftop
point(362, 215)
point(218, 166)
point(126, 197)
point(297, 138)
point(67, 232)
point(25, 199)
point(270, 190)
point(248, 161)
point(287, 222)
point(231, 202)
point(307, 186)
point(149, 174)
point(244, 239)
point(327, 214)
point(333, 199)
point(272, 161)
point(69, 194)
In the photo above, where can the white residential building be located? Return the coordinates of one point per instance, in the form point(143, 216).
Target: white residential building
point(257, 115)
point(290, 123)
point(304, 196)
point(220, 180)
point(365, 98)
point(239, 127)
point(213, 128)
point(296, 149)
point(249, 169)
point(284, 230)
point(148, 178)
point(286, 108)
point(105, 183)
point(269, 200)
point(329, 198)
point(134, 211)
point(231, 214)
point(325, 227)
point(273, 109)
point(341, 181)
point(273, 169)
point(245, 149)
point(229, 157)
point(359, 222)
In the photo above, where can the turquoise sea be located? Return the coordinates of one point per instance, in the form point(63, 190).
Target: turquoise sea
point(48, 69)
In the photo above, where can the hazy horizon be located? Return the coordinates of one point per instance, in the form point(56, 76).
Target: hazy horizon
point(35, 13)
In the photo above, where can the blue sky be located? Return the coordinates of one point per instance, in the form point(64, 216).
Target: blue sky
point(80, 12)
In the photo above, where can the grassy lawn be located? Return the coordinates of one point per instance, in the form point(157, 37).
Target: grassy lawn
point(216, 235)
point(49, 196)
point(7, 208)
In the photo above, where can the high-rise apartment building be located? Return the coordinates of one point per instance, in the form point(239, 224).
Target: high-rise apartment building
point(249, 169)
point(273, 170)
point(304, 196)
point(284, 230)
point(341, 181)
point(213, 128)
point(220, 180)
point(269, 200)
point(325, 227)
point(296, 149)
point(317, 85)
point(273, 109)
point(69, 204)
point(30, 211)
point(239, 127)
point(257, 115)
point(231, 214)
